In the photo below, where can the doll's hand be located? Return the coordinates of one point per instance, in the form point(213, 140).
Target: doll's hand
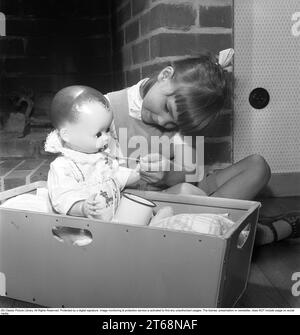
point(153, 168)
point(93, 206)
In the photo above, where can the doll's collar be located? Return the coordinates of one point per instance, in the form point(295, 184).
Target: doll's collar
point(55, 145)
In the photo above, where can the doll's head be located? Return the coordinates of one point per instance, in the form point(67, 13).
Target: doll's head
point(82, 117)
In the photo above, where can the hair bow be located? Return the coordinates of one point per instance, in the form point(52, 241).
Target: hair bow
point(225, 57)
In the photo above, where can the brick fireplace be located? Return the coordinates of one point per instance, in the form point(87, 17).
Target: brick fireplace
point(107, 44)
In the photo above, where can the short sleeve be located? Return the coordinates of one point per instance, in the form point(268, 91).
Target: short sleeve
point(64, 189)
point(122, 176)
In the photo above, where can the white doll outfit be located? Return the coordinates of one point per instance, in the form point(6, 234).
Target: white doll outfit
point(75, 176)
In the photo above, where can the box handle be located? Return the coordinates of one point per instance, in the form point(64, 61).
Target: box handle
point(243, 236)
point(72, 236)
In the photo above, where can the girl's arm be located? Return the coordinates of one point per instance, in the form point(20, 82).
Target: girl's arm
point(173, 177)
point(159, 171)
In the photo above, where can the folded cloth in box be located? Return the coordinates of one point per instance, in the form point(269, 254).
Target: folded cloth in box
point(214, 224)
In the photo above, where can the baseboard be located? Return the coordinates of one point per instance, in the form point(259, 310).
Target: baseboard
point(282, 185)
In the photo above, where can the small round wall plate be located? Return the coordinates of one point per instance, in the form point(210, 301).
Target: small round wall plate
point(259, 98)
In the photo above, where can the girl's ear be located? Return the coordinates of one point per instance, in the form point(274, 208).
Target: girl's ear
point(64, 134)
point(166, 73)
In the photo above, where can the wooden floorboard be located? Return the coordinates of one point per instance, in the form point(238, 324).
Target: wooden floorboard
point(276, 206)
point(260, 292)
point(270, 279)
point(270, 282)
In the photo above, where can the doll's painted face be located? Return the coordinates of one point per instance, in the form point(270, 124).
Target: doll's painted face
point(88, 133)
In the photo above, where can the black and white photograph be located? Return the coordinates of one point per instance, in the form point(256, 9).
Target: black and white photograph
point(149, 158)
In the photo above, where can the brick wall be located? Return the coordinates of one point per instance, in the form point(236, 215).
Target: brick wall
point(18, 172)
point(107, 44)
point(149, 33)
point(51, 44)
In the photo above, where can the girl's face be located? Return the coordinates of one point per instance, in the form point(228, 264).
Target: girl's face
point(88, 133)
point(159, 106)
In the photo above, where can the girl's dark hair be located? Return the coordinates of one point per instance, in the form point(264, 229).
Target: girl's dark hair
point(66, 103)
point(200, 94)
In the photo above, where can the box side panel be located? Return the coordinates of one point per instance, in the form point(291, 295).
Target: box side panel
point(237, 260)
point(196, 199)
point(123, 266)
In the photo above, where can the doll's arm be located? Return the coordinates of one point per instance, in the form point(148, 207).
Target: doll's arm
point(133, 178)
point(126, 176)
point(87, 208)
point(64, 189)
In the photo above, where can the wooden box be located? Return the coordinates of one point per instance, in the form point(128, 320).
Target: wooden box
point(124, 265)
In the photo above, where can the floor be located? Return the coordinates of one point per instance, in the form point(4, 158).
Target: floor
point(270, 281)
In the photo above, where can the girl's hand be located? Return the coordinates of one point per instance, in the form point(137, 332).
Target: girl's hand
point(153, 168)
point(93, 206)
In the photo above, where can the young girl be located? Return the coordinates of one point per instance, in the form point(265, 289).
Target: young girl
point(187, 96)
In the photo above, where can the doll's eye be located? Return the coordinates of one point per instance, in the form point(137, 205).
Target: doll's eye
point(99, 134)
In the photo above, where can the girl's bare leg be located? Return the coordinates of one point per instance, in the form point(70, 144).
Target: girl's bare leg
point(244, 179)
point(185, 188)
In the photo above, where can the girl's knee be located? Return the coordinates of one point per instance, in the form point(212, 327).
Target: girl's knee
point(186, 188)
point(260, 165)
point(182, 188)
